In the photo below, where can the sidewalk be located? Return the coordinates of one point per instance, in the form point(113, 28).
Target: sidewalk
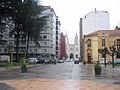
point(52, 84)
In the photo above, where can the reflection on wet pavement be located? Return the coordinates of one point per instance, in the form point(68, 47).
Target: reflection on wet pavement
point(66, 76)
point(52, 84)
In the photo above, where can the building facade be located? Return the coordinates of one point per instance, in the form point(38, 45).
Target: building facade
point(93, 21)
point(74, 49)
point(98, 40)
point(46, 44)
point(48, 35)
point(62, 47)
point(67, 45)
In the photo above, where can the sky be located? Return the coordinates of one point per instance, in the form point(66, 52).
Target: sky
point(70, 11)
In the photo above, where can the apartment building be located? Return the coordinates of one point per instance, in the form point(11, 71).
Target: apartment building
point(46, 44)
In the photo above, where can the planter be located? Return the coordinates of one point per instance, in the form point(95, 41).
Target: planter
point(98, 70)
point(84, 62)
point(23, 69)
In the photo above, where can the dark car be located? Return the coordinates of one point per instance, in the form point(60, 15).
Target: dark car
point(43, 61)
point(76, 61)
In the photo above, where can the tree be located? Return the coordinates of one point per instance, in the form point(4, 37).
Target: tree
point(33, 23)
point(22, 16)
point(104, 51)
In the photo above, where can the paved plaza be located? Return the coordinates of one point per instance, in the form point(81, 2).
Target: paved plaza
point(64, 76)
point(52, 84)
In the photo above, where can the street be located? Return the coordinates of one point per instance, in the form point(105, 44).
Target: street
point(62, 71)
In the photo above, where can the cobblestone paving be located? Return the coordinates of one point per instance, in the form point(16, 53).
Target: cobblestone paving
point(52, 84)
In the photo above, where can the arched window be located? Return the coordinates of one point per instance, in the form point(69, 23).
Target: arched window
point(89, 43)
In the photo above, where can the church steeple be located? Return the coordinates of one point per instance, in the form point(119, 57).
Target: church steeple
point(76, 39)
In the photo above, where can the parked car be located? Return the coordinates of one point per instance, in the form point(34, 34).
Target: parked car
point(4, 58)
point(60, 61)
point(43, 61)
point(68, 60)
point(76, 61)
point(71, 59)
point(116, 61)
point(102, 62)
point(32, 60)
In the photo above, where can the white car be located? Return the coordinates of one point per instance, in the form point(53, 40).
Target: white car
point(32, 60)
point(102, 62)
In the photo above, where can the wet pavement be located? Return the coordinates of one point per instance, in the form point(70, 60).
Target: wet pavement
point(63, 76)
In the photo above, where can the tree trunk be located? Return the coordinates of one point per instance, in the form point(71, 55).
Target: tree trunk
point(17, 45)
point(27, 45)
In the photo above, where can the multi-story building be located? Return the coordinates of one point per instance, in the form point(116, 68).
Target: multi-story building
point(46, 44)
point(98, 40)
point(48, 35)
point(93, 21)
point(62, 46)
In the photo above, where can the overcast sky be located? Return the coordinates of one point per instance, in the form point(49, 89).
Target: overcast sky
point(70, 11)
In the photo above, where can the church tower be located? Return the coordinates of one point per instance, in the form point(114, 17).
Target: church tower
point(76, 44)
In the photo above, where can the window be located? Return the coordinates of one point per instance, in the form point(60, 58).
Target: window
point(76, 48)
point(103, 42)
point(5, 50)
point(23, 42)
point(56, 37)
point(44, 43)
point(56, 42)
point(56, 27)
point(89, 43)
point(56, 32)
point(56, 47)
point(44, 50)
point(44, 36)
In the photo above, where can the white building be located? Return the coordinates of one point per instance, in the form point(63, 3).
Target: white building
point(48, 36)
point(95, 20)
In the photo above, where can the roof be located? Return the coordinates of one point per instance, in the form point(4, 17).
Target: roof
point(111, 32)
